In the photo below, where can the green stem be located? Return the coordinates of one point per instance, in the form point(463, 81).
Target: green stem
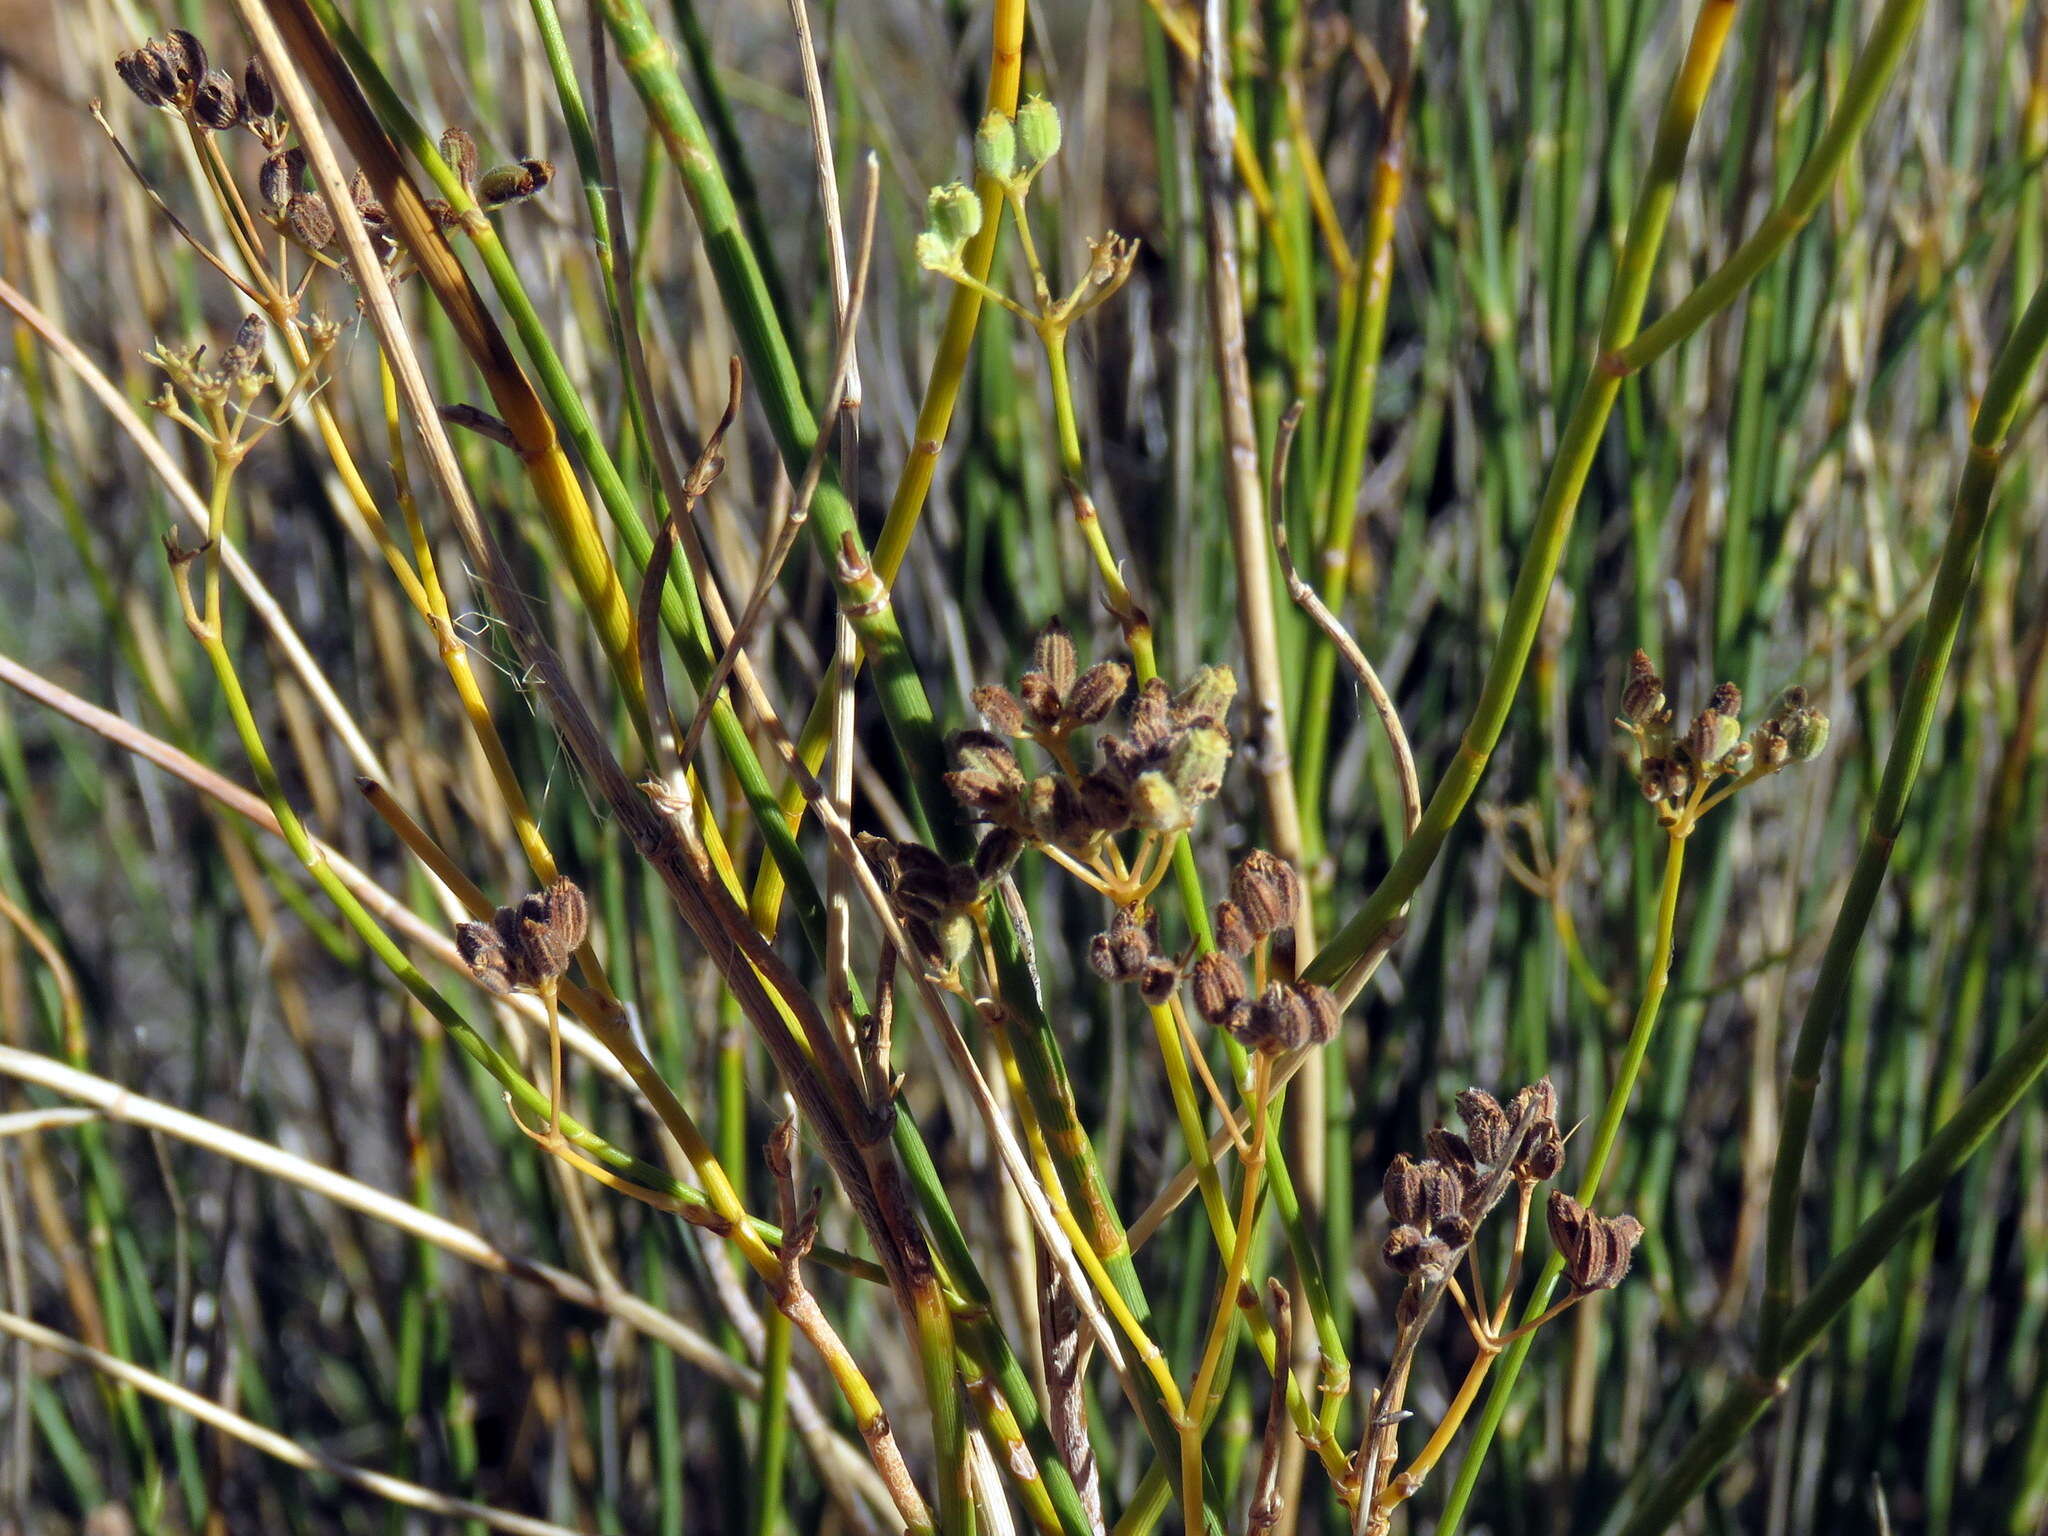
point(1909, 1201)
point(2014, 365)
point(1604, 1137)
point(1576, 449)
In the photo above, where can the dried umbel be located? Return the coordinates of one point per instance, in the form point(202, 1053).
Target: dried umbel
point(1445, 1197)
point(526, 946)
point(1676, 770)
point(1596, 1249)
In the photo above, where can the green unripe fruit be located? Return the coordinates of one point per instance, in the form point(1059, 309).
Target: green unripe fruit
point(1806, 733)
point(953, 213)
point(995, 147)
point(1038, 133)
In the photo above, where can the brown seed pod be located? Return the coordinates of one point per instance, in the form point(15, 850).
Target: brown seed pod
point(147, 72)
point(246, 352)
point(1216, 983)
point(281, 175)
point(1541, 1096)
point(257, 94)
point(1726, 699)
point(1486, 1125)
point(1542, 1154)
point(1151, 715)
point(1234, 934)
point(309, 219)
point(996, 852)
point(1156, 983)
point(1453, 1231)
point(187, 56)
point(1001, 709)
point(1325, 1013)
point(1402, 1189)
point(1280, 1020)
point(1596, 1250)
point(1054, 657)
point(1402, 1250)
point(1095, 692)
point(985, 794)
point(478, 945)
point(1266, 889)
point(216, 104)
point(1104, 804)
point(1443, 1193)
point(1041, 697)
point(880, 852)
point(986, 751)
point(1642, 698)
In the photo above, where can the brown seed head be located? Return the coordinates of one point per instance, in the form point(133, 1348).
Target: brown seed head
point(280, 176)
point(1040, 697)
point(216, 104)
point(1486, 1125)
point(1402, 1250)
point(147, 72)
point(1281, 1020)
point(1104, 803)
point(186, 55)
point(1642, 697)
point(257, 94)
point(1596, 1250)
point(1325, 1013)
point(1216, 982)
point(1443, 1192)
point(1157, 981)
point(1054, 657)
point(1000, 708)
point(1096, 691)
point(309, 219)
point(1542, 1154)
point(1712, 734)
point(1234, 934)
point(1151, 715)
point(986, 752)
point(996, 852)
point(1402, 1189)
point(1266, 888)
point(477, 944)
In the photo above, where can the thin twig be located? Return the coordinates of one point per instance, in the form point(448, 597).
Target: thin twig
point(1305, 597)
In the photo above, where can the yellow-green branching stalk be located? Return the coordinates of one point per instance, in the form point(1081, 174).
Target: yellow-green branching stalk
point(547, 467)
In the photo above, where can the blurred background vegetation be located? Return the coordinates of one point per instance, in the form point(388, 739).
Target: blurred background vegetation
point(1767, 505)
